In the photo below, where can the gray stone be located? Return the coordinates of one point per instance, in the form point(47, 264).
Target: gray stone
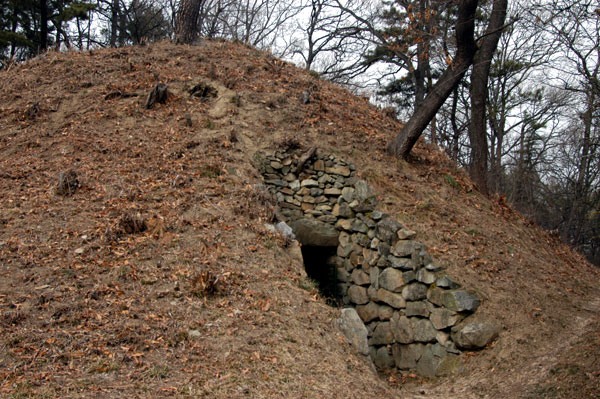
point(344, 224)
point(309, 183)
point(377, 215)
point(460, 301)
point(295, 185)
point(362, 190)
point(401, 263)
point(434, 267)
point(348, 194)
point(359, 226)
point(371, 257)
point(344, 238)
point(360, 277)
point(368, 312)
point(382, 335)
point(416, 309)
point(374, 277)
point(338, 170)
point(327, 219)
point(474, 335)
point(383, 359)
point(332, 191)
point(425, 277)
point(354, 330)
point(423, 330)
point(391, 279)
point(434, 295)
point(446, 282)
point(392, 299)
point(385, 312)
point(315, 233)
point(386, 229)
point(372, 292)
point(406, 248)
point(383, 249)
point(344, 250)
point(285, 230)
point(374, 243)
point(407, 356)
point(414, 292)
point(443, 318)
point(342, 210)
point(429, 363)
point(402, 329)
point(406, 234)
point(315, 192)
point(409, 276)
point(358, 294)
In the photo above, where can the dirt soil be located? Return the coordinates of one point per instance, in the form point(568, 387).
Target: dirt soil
point(151, 274)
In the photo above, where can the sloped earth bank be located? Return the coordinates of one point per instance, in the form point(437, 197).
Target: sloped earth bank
point(109, 292)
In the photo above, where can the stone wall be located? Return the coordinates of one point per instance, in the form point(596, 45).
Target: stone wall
point(415, 315)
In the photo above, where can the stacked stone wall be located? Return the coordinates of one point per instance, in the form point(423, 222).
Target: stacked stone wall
point(413, 312)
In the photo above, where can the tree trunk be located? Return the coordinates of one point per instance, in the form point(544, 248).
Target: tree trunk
point(114, 22)
point(186, 24)
point(465, 27)
point(479, 93)
point(43, 25)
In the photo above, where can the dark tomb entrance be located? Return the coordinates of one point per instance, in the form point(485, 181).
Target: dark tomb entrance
point(319, 263)
point(319, 247)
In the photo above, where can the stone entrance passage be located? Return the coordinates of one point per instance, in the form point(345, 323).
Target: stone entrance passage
point(319, 263)
point(401, 308)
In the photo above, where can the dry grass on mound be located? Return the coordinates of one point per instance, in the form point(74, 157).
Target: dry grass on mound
point(153, 275)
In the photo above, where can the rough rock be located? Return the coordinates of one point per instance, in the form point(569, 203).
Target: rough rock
point(354, 330)
point(460, 301)
point(358, 295)
point(414, 292)
point(368, 312)
point(407, 356)
point(392, 299)
point(383, 359)
point(391, 279)
point(382, 335)
point(403, 330)
point(423, 330)
point(386, 229)
point(474, 335)
point(416, 309)
point(443, 318)
point(405, 248)
point(315, 233)
point(360, 277)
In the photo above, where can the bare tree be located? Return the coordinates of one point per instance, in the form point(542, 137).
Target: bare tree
point(186, 23)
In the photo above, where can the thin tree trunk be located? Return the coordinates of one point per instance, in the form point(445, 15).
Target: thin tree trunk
point(43, 25)
point(465, 27)
point(114, 22)
point(479, 93)
point(186, 24)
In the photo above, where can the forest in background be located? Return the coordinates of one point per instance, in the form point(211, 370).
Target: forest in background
point(540, 146)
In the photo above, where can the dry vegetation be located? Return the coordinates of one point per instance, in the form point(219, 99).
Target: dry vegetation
point(149, 271)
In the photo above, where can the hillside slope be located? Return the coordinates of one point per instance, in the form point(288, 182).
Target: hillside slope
point(103, 293)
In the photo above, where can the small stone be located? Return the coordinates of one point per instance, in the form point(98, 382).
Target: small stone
point(368, 312)
point(342, 275)
point(474, 335)
point(391, 280)
point(446, 282)
point(383, 359)
point(460, 301)
point(442, 318)
point(358, 226)
point(425, 277)
point(377, 215)
point(409, 276)
point(423, 330)
point(385, 312)
point(194, 334)
point(374, 277)
point(344, 250)
point(276, 165)
point(382, 335)
point(434, 267)
point(80, 251)
point(348, 194)
point(434, 295)
point(332, 191)
point(414, 292)
point(358, 295)
point(342, 210)
point(319, 165)
point(403, 330)
point(406, 234)
point(342, 171)
point(386, 229)
point(416, 309)
point(327, 219)
point(360, 278)
point(374, 243)
point(407, 356)
point(402, 263)
point(406, 248)
point(309, 183)
point(371, 257)
point(344, 224)
point(392, 299)
point(354, 329)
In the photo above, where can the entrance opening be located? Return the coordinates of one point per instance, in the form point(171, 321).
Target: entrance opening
point(319, 263)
